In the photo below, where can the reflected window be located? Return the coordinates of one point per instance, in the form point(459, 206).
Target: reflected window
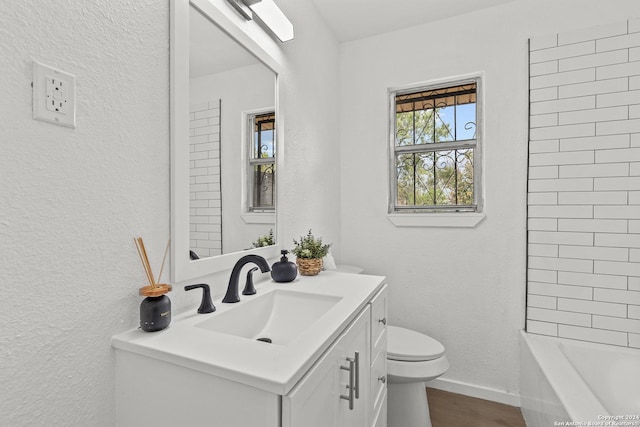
point(435, 147)
point(262, 165)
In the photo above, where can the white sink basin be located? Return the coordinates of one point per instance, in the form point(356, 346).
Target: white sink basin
point(279, 316)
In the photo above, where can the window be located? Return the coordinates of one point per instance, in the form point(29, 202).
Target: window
point(262, 165)
point(435, 149)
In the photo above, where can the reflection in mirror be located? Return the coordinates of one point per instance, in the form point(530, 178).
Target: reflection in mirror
point(231, 142)
point(240, 221)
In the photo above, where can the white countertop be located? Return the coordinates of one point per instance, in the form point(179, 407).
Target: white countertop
point(272, 368)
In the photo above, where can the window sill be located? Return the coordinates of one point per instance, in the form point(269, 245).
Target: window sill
point(259, 218)
point(458, 219)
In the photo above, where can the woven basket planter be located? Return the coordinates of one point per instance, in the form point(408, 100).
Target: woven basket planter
point(309, 266)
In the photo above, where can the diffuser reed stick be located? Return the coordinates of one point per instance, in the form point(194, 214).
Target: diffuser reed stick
point(145, 260)
point(147, 263)
point(154, 289)
point(164, 257)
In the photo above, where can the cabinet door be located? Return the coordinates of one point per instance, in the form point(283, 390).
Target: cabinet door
point(378, 381)
point(320, 399)
point(314, 401)
point(378, 377)
point(355, 346)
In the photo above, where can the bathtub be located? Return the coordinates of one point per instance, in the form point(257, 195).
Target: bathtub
point(564, 381)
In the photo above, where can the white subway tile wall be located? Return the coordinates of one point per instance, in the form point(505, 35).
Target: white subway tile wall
point(584, 185)
point(205, 205)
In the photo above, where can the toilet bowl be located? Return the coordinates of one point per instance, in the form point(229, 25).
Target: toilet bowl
point(412, 359)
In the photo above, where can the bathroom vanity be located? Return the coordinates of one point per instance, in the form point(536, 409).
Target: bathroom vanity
point(325, 364)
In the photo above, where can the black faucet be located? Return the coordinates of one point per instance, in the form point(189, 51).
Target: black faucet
point(232, 289)
point(206, 306)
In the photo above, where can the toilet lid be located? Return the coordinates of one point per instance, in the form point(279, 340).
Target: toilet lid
point(411, 346)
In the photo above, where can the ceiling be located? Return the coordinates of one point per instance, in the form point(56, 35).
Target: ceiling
point(213, 51)
point(356, 19)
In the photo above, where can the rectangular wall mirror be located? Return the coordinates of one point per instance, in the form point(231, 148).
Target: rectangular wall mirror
point(224, 141)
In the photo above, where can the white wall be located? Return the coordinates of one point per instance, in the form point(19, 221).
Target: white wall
point(584, 262)
point(72, 200)
point(464, 287)
point(309, 189)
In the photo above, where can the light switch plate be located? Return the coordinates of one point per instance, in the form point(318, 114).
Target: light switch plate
point(54, 96)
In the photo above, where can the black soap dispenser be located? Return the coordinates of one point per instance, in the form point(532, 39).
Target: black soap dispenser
point(284, 270)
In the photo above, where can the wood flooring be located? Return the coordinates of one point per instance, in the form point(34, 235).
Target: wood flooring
point(452, 410)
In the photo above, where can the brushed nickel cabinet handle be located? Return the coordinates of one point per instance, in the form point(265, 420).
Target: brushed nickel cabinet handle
point(357, 362)
point(351, 369)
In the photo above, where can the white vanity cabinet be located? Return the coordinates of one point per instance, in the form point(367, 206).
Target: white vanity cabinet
point(322, 398)
point(342, 385)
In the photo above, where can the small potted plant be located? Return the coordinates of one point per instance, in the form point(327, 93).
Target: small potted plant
point(309, 252)
point(266, 240)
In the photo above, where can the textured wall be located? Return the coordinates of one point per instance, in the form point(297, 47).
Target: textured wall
point(584, 213)
point(464, 287)
point(72, 200)
point(309, 190)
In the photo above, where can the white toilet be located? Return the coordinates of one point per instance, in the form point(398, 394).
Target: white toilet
point(412, 359)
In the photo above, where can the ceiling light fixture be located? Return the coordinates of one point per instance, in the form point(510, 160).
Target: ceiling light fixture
point(268, 13)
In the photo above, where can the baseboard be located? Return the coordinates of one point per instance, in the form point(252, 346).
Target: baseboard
point(475, 391)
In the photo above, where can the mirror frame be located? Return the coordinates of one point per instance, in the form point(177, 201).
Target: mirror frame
point(249, 35)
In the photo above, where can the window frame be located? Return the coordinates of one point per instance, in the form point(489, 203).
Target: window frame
point(252, 162)
point(441, 211)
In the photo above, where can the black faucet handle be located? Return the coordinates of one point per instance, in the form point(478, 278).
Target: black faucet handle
point(249, 289)
point(206, 306)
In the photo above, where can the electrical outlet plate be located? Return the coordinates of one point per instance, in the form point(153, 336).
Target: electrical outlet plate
point(54, 96)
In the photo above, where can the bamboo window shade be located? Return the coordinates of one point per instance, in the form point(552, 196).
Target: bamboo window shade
point(436, 98)
point(264, 122)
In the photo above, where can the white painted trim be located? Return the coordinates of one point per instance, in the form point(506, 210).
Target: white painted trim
point(259, 218)
point(457, 219)
point(473, 390)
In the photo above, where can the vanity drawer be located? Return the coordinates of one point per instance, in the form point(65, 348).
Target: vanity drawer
point(378, 320)
point(378, 379)
point(381, 418)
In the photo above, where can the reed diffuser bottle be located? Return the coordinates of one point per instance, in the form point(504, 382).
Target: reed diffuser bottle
point(155, 313)
point(155, 309)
